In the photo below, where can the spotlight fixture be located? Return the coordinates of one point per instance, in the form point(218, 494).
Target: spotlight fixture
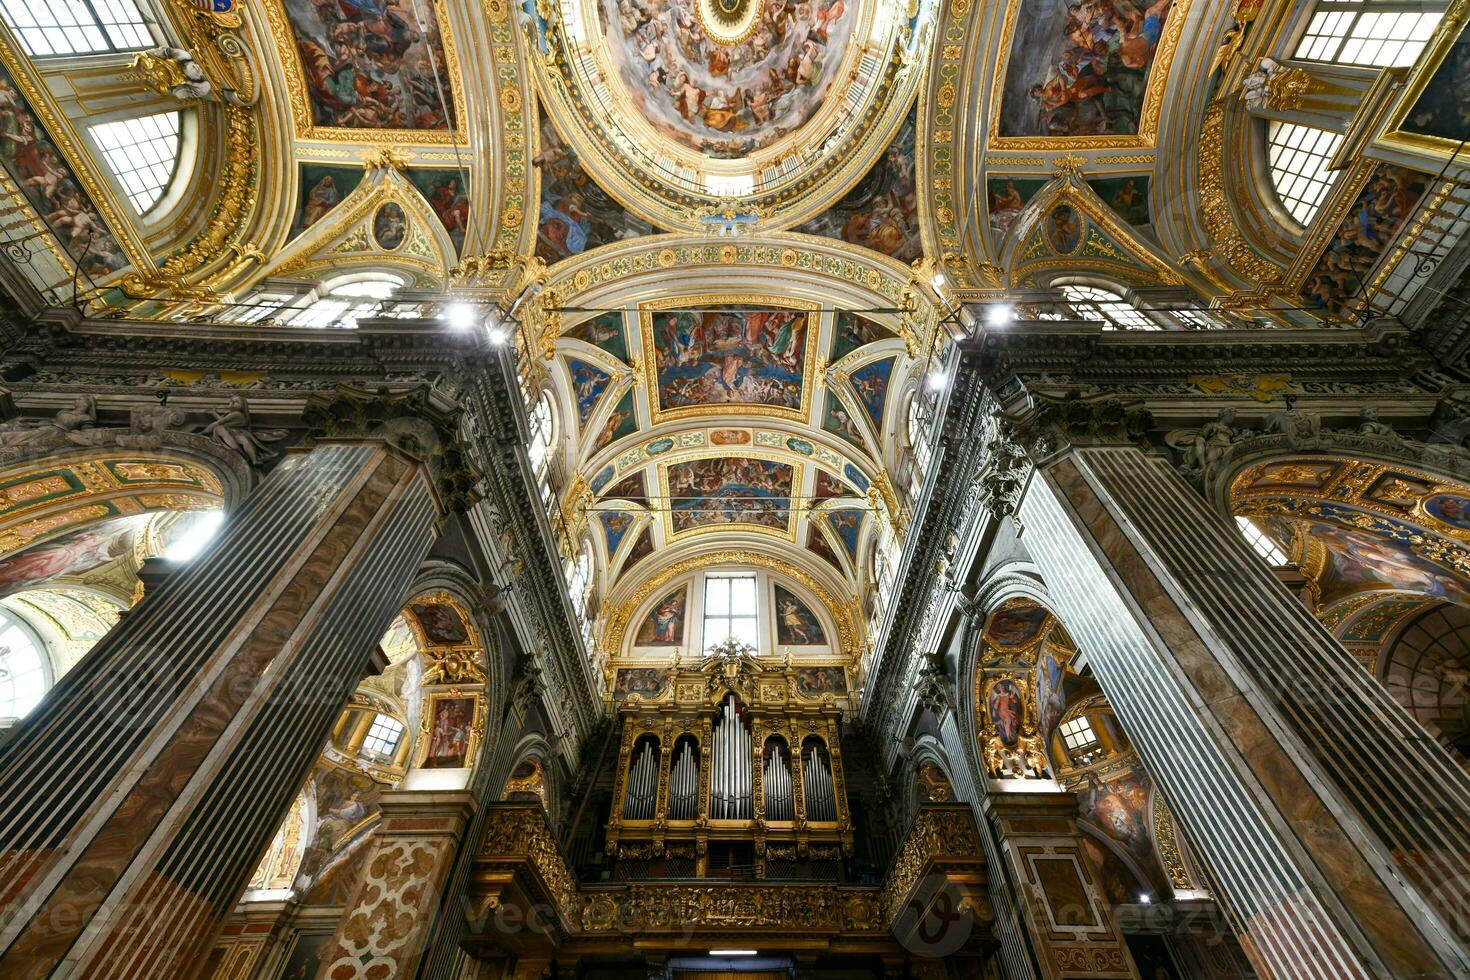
point(939, 280)
point(1000, 314)
point(936, 380)
point(460, 316)
point(496, 336)
point(734, 952)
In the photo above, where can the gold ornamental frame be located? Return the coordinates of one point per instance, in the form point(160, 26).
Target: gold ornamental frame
point(1149, 112)
point(1454, 25)
point(649, 355)
point(284, 36)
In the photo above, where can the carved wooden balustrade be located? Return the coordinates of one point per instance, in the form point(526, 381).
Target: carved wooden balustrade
point(524, 900)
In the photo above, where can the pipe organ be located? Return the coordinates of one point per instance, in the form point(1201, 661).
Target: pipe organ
point(731, 776)
point(729, 770)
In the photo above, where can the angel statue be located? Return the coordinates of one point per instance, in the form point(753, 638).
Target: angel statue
point(231, 429)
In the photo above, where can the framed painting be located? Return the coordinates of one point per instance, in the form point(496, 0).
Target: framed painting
point(451, 732)
point(1432, 114)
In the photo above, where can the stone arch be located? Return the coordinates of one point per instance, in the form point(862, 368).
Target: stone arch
point(1425, 667)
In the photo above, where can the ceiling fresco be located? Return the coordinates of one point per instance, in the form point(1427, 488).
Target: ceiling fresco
point(728, 77)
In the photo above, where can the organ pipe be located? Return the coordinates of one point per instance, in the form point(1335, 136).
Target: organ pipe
point(779, 803)
point(684, 782)
point(732, 776)
point(821, 802)
point(642, 783)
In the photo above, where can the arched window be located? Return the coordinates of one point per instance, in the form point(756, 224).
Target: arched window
point(730, 611)
point(1298, 157)
point(1116, 313)
point(1261, 541)
point(918, 439)
point(142, 154)
point(65, 27)
point(347, 300)
point(1373, 33)
point(25, 670)
point(542, 423)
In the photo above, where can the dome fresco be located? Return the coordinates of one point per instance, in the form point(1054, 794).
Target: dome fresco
point(728, 93)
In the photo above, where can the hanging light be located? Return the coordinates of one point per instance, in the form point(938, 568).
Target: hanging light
point(460, 316)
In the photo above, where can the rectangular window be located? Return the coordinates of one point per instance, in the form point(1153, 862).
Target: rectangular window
point(1078, 734)
point(66, 27)
point(1372, 33)
point(142, 153)
point(730, 610)
point(383, 737)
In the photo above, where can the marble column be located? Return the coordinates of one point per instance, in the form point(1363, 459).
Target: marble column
point(1069, 921)
point(1334, 832)
point(386, 924)
point(138, 797)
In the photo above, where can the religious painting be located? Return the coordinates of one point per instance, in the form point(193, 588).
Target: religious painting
point(732, 85)
point(1051, 699)
point(1008, 197)
point(448, 198)
point(576, 213)
point(1442, 109)
point(1120, 808)
point(389, 226)
point(1016, 625)
point(828, 486)
point(818, 546)
point(451, 727)
point(664, 625)
point(1368, 229)
point(934, 785)
point(1064, 229)
point(1080, 67)
point(346, 804)
point(1118, 883)
point(373, 64)
point(642, 548)
point(730, 490)
point(1449, 508)
point(79, 551)
point(441, 623)
point(1358, 561)
point(632, 488)
point(881, 212)
point(588, 383)
point(736, 354)
point(796, 624)
point(848, 523)
point(307, 954)
point(604, 331)
point(871, 383)
point(1127, 196)
point(615, 526)
point(646, 682)
point(52, 187)
point(1006, 710)
point(322, 189)
point(851, 331)
point(813, 682)
point(839, 421)
point(621, 423)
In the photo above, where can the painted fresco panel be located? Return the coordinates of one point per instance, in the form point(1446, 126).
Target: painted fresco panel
point(664, 626)
point(368, 64)
point(1443, 107)
point(736, 355)
point(796, 624)
point(724, 100)
point(52, 187)
point(576, 213)
point(730, 490)
point(1080, 67)
point(882, 211)
point(322, 189)
point(1372, 223)
point(448, 198)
